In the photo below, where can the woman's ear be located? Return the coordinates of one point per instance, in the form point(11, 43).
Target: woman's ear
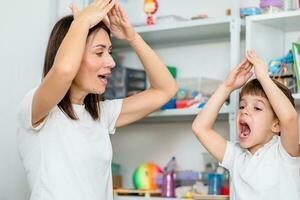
point(276, 126)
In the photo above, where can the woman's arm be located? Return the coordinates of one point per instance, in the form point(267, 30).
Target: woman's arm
point(67, 60)
point(162, 85)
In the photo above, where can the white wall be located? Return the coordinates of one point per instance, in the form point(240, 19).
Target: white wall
point(24, 30)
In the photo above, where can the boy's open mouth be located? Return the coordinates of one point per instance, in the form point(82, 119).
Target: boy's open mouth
point(244, 130)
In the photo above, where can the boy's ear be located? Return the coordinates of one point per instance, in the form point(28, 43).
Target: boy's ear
point(276, 126)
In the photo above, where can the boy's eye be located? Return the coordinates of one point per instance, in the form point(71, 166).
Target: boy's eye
point(257, 108)
point(242, 107)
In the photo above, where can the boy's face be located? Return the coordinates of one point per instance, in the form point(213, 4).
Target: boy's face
point(256, 122)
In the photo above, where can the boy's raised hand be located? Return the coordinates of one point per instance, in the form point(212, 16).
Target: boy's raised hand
point(260, 67)
point(119, 24)
point(93, 13)
point(239, 75)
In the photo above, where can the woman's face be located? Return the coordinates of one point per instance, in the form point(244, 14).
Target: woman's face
point(96, 64)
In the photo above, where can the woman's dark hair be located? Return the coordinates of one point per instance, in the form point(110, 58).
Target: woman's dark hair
point(58, 33)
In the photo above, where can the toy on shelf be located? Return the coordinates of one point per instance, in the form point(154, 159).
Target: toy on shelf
point(282, 69)
point(144, 176)
point(150, 8)
point(282, 66)
point(271, 6)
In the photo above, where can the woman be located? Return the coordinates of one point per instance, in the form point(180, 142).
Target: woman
point(63, 126)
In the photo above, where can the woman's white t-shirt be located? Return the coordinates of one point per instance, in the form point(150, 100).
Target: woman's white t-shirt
point(68, 159)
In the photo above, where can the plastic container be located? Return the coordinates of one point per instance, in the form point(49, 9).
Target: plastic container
point(171, 165)
point(205, 86)
point(215, 183)
point(168, 185)
point(171, 104)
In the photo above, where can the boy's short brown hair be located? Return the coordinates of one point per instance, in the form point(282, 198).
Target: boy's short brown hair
point(254, 87)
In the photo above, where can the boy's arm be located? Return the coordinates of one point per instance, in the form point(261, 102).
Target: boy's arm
point(286, 113)
point(205, 120)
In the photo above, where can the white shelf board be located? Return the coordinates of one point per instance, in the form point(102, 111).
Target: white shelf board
point(183, 31)
point(182, 115)
point(286, 21)
point(297, 99)
point(144, 198)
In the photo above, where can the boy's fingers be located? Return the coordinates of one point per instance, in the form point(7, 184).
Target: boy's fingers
point(249, 75)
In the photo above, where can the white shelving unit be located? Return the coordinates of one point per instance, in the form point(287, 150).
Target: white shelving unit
point(185, 33)
point(181, 32)
point(272, 35)
point(182, 115)
point(224, 29)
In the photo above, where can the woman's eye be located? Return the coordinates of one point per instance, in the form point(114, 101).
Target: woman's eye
point(257, 108)
point(99, 54)
point(242, 107)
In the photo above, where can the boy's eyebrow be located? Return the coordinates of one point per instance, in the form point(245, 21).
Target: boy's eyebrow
point(261, 101)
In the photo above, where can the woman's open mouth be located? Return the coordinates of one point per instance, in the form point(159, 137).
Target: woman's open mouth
point(103, 79)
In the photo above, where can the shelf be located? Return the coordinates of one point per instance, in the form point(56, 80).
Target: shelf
point(297, 99)
point(184, 31)
point(286, 21)
point(204, 197)
point(144, 198)
point(273, 30)
point(181, 115)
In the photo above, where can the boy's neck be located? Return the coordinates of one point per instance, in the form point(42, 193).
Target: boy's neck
point(256, 147)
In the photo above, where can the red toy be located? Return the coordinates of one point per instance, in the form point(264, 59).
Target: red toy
point(150, 8)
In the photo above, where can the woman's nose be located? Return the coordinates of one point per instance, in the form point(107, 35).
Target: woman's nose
point(110, 62)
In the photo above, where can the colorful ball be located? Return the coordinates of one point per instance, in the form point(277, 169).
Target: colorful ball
point(144, 176)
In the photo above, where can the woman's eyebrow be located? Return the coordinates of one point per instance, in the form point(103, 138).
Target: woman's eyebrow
point(99, 45)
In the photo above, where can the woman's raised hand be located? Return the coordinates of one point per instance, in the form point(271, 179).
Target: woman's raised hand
point(94, 12)
point(119, 24)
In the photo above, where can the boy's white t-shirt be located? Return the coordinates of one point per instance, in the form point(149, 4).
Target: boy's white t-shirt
point(68, 159)
point(270, 174)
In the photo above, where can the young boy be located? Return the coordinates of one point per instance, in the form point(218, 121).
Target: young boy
point(265, 165)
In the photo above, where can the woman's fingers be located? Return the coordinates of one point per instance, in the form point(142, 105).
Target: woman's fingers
point(122, 13)
point(74, 9)
point(101, 3)
point(113, 11)
point(106, 21)
point(109, 6)
point(117, 11)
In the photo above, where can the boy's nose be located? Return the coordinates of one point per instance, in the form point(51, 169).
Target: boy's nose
point(245, 111)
